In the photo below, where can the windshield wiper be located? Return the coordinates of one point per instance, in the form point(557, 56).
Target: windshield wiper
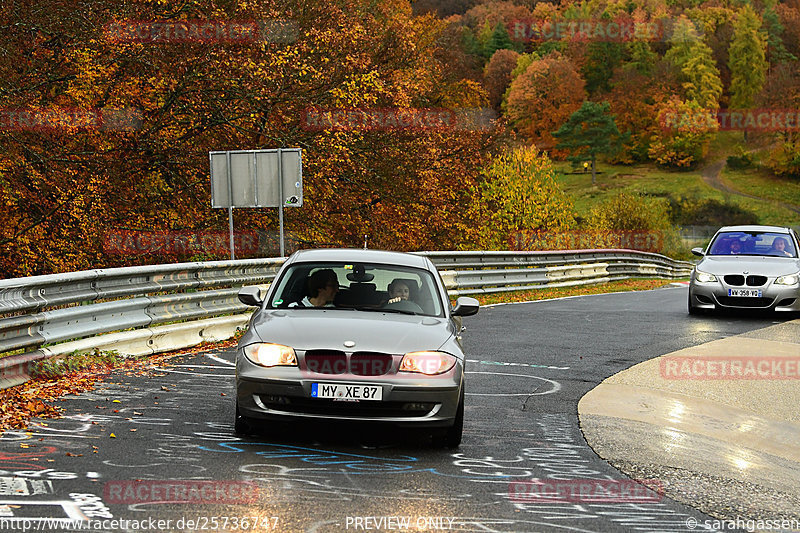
point(386, 310)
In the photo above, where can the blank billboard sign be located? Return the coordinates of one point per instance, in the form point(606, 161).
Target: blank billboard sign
point(256, 177)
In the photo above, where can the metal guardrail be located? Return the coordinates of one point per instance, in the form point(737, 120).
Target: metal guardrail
point(151, 309)
point(489, 272)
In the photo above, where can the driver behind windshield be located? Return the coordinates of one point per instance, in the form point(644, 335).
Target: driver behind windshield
point(779, 246)
point(398, 290)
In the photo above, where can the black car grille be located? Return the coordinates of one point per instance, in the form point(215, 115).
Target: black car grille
point(334, 362)
point(736, 301)
point(316, 406)
point(737, 280)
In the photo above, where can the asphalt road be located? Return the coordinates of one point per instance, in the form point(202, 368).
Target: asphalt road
point(528, 365)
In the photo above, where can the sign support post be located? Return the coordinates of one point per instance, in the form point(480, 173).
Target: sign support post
point(280, 205)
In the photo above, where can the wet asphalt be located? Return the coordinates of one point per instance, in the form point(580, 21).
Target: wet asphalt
point(174, 456)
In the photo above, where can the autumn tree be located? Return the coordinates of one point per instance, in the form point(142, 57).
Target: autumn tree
point(747, 59)
point(685, 130)
point(693, 60)
point(589, 132)
point(782, 91)
point(499, 40)
point(635, 99)
point(544, 96)
point(497, 75)
point(776, 49)
point(789, 16)
point(65, 189)
point(522, 194)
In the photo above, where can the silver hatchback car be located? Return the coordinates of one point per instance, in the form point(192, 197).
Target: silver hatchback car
point(747, 267)
point(358, 335)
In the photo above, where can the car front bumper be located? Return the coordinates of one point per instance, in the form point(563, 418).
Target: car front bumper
point(284, 394)
point(774, 297)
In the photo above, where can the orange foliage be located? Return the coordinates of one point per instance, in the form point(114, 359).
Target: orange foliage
point(64, 190)
point(497, 75)
point(543, 97)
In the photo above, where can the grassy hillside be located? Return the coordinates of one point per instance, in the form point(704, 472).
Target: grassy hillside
point(650, 180)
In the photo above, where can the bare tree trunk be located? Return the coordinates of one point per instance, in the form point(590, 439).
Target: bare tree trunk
point(594, 170)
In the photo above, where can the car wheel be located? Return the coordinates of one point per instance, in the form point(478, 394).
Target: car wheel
point(451, 437)
point(241, 424)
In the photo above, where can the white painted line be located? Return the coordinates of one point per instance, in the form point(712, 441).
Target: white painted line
point(556, 386)
point(220, 360)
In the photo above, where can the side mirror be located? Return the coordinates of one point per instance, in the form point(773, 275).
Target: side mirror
point(698, 252)
point(466, 306)
point(250, 295)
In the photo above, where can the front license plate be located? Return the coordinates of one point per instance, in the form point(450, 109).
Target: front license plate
point(343, 391)
point(747, 293)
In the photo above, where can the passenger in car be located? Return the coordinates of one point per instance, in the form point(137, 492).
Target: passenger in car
point(322, 288)
point(779, 246)
point(398, 290)
point(735, 247)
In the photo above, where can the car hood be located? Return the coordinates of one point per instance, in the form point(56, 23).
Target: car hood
point(737, 264)
point(309, 329)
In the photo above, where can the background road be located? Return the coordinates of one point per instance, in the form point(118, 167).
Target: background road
point(528, 365)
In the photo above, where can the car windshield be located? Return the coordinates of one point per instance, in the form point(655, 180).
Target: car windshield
point(370, 287)
point(753, 243)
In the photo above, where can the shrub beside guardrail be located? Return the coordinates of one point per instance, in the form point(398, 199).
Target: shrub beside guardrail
point(150, 309)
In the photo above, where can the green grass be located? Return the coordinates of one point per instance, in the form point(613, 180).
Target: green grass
point(653, 181)
point(762, 183)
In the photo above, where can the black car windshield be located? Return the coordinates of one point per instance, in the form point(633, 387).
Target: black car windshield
point(358, 286)
point(753, 243)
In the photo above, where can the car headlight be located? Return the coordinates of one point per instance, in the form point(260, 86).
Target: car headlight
point(428, 363)
point(704, 277)
point(266, 354)
point(791, 279)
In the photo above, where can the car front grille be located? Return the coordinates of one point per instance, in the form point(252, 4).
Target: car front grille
point(737, 280)
point(737, 301)
point(367, 409)
point(334, 362)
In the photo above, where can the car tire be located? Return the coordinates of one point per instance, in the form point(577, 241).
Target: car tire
point(241, 424)
point(451, 437)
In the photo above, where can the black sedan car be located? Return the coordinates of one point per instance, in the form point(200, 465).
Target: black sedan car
point(359, 335)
